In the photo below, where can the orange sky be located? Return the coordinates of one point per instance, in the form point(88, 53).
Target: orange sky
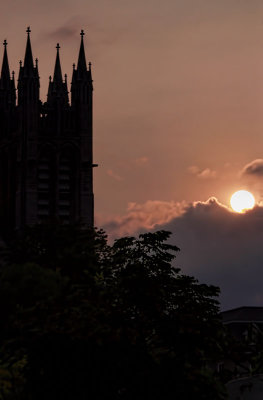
point(178, 93)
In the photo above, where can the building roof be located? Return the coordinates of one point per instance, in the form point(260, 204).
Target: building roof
point(243, 314)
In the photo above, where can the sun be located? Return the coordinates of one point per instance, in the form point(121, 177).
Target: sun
point(242, 201)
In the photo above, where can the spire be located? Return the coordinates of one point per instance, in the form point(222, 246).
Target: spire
point(82, 66)
point(81, 84)
point(5, 73)
point(28, 61)
point(57, 90)
point(7, 85)
point(57, 78)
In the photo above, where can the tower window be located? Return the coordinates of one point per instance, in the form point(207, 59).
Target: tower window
point(65, 187)
point(44, 187)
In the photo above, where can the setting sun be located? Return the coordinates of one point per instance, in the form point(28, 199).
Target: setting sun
point(242, 200)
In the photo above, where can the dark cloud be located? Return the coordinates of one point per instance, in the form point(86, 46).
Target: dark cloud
point(254, 168)
point(64, 32)
point(223, 248)
point(218, 247)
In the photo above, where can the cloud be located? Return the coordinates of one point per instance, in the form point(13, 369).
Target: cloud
point(141, 161)
point(193, 170)
point(254, 168)
point(223, 248)
point(206, 173)
point(113, 175)
point(66, 31)
point(144, 216)
point(218, 246)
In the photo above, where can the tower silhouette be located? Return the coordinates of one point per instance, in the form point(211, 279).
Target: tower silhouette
point(46, 155)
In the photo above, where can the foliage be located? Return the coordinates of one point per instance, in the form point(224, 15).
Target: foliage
point(87, 320)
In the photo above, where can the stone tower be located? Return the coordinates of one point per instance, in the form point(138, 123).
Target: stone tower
point(46, 156)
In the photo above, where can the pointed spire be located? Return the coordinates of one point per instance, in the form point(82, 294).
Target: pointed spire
point(82, 66)
point(7, 85)
point(28, 61)
point(57, 78)
point(28, 78)
point(57, 90)
point(5, 73)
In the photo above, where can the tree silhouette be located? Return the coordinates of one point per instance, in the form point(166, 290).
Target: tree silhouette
point(83, 319)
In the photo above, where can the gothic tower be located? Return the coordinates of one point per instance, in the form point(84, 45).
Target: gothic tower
point(46, 156)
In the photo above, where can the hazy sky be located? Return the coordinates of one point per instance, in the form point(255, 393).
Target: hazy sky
point(178, 97)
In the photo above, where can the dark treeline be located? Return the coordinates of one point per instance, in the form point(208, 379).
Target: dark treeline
point(81, 319)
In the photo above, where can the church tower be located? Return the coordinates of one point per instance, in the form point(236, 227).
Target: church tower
point(46, 149)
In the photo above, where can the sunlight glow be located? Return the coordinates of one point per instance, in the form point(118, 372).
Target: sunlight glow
point(242, 201)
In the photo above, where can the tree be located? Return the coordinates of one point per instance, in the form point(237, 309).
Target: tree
point(114, 321)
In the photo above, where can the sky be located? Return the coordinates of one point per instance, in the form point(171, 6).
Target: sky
point(178, 121)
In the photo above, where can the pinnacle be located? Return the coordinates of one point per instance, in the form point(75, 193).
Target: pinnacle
point(57, 78)
point(28, 60)
point(5, 73)
point(82, 66)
